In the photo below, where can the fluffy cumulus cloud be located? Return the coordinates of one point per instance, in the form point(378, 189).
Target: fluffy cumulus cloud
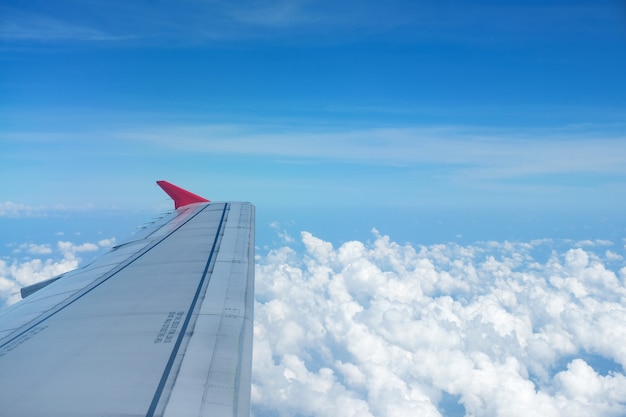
point(22, 268)
point(382, 329)
point(488, 329)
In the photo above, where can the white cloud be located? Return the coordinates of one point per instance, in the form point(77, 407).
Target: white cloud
point(198, 21)
point(33, 249)
point(21, 269)
point(71, 248)
point(471, 150)
point(18, 273)
point(386, 329)
point(584, 392)
point(22, 25)
point(383, 329)
point(286, 237)
point(19, 210)
point(612, 256)
point(107, 243)
point(10, 209)
point(412, 166)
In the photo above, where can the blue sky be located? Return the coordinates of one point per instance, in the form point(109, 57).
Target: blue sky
point(429, 121)
point(314, 103)
point(489, 135)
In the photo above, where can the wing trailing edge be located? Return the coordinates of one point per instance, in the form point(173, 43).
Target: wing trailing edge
point(180, 196)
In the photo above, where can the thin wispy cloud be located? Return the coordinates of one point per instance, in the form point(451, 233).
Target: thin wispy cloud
point(10, 209)
point(475, 151)
point(570, 165)
point(23, 26)
point(33, 249)
point(194, 22)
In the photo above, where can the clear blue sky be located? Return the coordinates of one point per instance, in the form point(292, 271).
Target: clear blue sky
point(396, 106)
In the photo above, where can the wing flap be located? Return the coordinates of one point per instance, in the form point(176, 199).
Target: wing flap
point(213, 366)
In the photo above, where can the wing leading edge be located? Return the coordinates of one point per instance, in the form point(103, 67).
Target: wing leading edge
point(159, 326)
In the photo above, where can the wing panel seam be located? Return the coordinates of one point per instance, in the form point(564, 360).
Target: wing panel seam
point(95, 285)
point(181, 335)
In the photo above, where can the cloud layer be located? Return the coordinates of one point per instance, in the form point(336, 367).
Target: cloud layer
point(481, 152)
point(23, 268)
point(382, 329)
point(490, 329)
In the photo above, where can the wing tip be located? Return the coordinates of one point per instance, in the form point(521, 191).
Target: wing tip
point(180, 196)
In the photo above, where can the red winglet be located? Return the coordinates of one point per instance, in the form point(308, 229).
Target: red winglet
point(180, 196)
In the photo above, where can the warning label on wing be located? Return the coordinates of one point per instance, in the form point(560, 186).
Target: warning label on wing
point(21, 339)
point(169, 327)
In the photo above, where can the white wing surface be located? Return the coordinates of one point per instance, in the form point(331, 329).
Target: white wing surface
point(159, 326)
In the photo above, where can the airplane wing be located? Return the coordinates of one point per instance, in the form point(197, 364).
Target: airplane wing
point(159, 326)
